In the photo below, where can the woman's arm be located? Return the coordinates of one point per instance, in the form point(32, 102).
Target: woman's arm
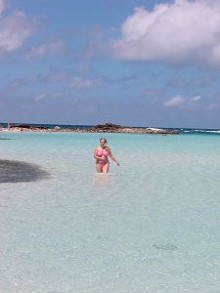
point(113, 157)
point(95, 156)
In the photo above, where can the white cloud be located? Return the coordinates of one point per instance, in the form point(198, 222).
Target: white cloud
point(214, 106)
point(52, 47)
point(40, 97)
point(19, 82)
point(175, 102)
point(2, 6)
point(181, 32)
point(59, 77)
point(80, 82)
point(44, 96)
point(195, 99)
point(14, 30)
point(69, 80)
point(178, 101)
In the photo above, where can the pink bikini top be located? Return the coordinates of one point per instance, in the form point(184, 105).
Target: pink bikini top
point(102, 152)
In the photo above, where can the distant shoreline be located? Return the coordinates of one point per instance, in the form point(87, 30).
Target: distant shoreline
point(100, 128)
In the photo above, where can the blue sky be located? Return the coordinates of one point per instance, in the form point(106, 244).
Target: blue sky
point(142, 63)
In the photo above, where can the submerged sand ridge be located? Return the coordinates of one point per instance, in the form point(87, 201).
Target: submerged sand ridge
point(106, 128)
point(17, 171)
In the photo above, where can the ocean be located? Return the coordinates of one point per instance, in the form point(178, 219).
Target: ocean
point(149, 226)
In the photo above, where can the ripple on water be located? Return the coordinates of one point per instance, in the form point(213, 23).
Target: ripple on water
point(16, 171)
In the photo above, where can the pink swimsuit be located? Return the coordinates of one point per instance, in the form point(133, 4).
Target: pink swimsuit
point(100, 153)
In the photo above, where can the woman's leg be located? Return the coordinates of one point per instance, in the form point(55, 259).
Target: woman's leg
point(105, 168)
point(99, 168)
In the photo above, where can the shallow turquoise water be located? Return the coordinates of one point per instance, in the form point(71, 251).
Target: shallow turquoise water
point(151, 225)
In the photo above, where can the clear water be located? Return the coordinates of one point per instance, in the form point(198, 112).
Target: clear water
point(151, 225)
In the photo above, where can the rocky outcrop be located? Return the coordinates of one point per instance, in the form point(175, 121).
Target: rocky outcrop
point(108, 127)
point(28, 127)
point(100, 128)
point(114, 128)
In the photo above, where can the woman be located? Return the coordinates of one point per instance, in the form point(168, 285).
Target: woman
point(101, 154)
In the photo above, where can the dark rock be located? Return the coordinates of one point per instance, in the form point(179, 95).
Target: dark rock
point(40, 127)
point(115, 128)
point(26, 126)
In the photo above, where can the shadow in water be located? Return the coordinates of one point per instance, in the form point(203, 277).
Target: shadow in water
point(16, 171)
point(168, 247)
point(4, 138)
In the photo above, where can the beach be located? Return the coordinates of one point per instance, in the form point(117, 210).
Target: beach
point(151, 225)
point(109, 146)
